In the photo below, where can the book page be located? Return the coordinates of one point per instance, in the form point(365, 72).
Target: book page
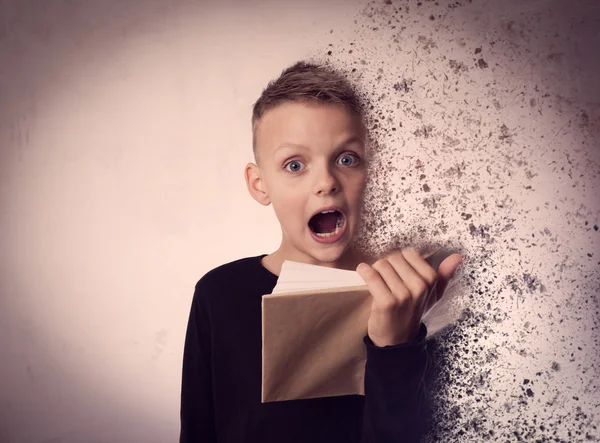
point(296, 276)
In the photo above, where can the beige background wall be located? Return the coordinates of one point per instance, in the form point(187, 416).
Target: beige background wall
point(124, 130)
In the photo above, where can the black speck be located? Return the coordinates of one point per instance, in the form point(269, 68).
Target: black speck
point(432, 17)
point(404, 85)
point(529, 392)
point(328, 52)
point(426, 187)
point(477, 50)
point(526, 381)
point(482, 64)
point(555, 366)
point(595, 227)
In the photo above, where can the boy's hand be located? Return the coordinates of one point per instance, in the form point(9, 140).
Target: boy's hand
point(403, 286)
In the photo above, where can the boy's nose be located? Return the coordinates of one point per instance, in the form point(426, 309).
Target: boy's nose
point(326, 184)
point(333, 190)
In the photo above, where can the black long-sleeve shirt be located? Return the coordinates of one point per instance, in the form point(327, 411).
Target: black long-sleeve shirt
point(221, 383)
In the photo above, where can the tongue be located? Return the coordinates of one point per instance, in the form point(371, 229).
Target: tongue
point(324, 223)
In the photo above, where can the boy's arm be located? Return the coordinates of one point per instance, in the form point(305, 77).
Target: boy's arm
point(404, 286)
point(197, 411)
point(395, 409)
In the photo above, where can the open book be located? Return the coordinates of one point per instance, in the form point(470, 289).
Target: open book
point(313, 325)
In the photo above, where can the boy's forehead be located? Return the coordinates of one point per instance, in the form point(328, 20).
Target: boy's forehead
point(303, 123)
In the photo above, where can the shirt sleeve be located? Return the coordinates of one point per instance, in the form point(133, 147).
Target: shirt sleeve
point(197, 409)
point(394, 408)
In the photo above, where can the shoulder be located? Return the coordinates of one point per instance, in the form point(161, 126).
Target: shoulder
point(223, 275)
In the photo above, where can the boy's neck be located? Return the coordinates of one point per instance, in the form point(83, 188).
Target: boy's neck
point(349, 260)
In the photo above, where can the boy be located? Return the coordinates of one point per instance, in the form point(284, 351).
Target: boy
point(309, 141)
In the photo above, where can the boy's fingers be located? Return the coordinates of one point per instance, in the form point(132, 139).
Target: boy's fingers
point(405, 275)
point(413, 273)
point(449, 266)
point(427, 272)
point(392, 279)
point(418, 263)
point(377, 286)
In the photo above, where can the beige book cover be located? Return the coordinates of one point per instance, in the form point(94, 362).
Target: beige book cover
point(313, 325)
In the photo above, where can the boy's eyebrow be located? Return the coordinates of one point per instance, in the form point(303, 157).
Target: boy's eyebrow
point(290, 146)
point(351, 140)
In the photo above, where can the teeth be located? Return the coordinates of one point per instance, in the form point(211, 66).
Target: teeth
point(329, 234)
point(338, 226)
point(328, 212)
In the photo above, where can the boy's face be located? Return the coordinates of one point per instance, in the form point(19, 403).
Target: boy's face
point(311, 158)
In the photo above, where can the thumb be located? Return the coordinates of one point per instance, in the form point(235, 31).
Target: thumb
point(446, 271)
point(449, 266)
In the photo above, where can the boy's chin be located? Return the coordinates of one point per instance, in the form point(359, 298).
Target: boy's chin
point(331, 256)
point(329, 253)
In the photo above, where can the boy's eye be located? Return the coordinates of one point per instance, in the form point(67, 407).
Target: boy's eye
point(348, 159)
point(293, 166)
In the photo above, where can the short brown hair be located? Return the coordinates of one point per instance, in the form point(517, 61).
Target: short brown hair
point(307, 82)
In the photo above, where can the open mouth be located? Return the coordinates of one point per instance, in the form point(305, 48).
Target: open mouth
point(326, 224)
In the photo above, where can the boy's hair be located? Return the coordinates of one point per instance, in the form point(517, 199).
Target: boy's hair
point(306, 82)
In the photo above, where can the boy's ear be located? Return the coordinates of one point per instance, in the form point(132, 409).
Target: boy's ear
point(256, 185)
